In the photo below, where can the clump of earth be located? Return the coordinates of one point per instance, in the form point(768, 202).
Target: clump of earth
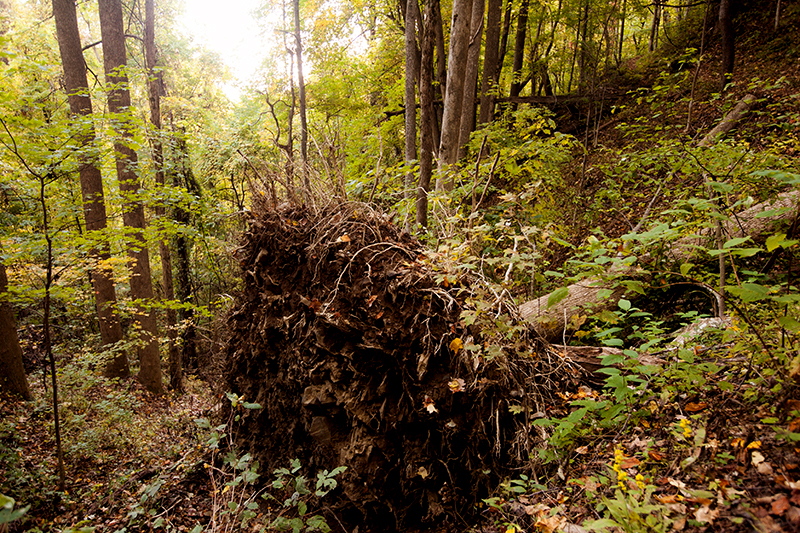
point(351, 339)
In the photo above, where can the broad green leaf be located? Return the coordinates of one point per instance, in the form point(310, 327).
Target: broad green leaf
point(779, 239)
point(634, 285)
point(556, 296)
point(624, 304)
point(749, 292)
point(769, 213)
point(686, 267)
point(735, 242)
point(789, 323)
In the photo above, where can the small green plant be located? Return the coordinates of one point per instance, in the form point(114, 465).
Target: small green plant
point(8, 513)
point(295, 492)
point(234, 479)
point(631, 511)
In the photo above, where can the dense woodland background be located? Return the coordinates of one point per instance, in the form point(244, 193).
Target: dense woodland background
point(608, 185)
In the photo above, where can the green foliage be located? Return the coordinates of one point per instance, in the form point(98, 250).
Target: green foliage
point(7, 512)
point(234, 478)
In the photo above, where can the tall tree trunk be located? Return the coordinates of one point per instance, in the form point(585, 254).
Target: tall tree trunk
point(490, 56)
point(12, 371)
point(621, 31)
point(441, 72)
point(471, 76)
point(155, 87)
point(412, 73)
point(519, 48)
point(94, 207)
point(654, 27)
point(501, 54)
point(456, 68)
point(728, 41)
point(301, 86)
point(426, 112)
point(119, 103)
point(584, 56)
point(184, 177)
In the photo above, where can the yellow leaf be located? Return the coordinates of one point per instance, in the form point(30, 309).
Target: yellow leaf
point(343, 238)
point(456, 345)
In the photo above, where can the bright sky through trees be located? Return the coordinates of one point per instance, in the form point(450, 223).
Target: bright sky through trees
point(230, 29)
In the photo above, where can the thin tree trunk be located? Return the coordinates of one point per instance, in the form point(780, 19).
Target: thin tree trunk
point(412, 72)
point(155, 88)
point(12, 369)
point(501, 54)
point(575, 48)
point(119, 104)
point(519, 49)
point(654, 27)
point(471, 76)
point(728, 42)
point(94, 207)
point(621, 31)
point(183, 248)
point(456, 67)
point(584, 55)
point(441, 73)
point(301, 87)
point(426, 112)
point(490, 57)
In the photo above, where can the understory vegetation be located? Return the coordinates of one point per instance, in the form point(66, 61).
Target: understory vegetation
point(618, 277)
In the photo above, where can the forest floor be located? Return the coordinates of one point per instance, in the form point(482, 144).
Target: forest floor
point(715, 457)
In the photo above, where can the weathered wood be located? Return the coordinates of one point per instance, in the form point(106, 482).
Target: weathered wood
point(551, 322)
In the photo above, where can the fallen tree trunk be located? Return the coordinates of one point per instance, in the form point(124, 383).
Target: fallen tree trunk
point(603, 292)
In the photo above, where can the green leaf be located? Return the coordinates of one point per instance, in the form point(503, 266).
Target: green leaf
point(749, 292)
point(769, 213)
point(735, 242)
point(248, 405)
point(789, 324)
point(557, 296)
point(686, 267)
point(624, 304)
point(779, 239)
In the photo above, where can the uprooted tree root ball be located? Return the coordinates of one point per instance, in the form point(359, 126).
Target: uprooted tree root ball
point(358, 357)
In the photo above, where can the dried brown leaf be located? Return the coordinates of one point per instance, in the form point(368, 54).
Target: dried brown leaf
point(780, 505)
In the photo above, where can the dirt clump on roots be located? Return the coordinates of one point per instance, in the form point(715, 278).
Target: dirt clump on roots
point(351, 340)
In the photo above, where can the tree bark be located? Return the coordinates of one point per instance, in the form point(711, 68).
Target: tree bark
point(456, 69)
point(654, 27)
point(12, 371)
point(411, 75)
point(501, 53)
point(183, 249)
point(519, 49)
point(728, 42)
point(471, 77)
point(155, 88)
point(119, 104)
point(490, 58)
point(301, 88)
point(94, 208)
point(426, 112)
